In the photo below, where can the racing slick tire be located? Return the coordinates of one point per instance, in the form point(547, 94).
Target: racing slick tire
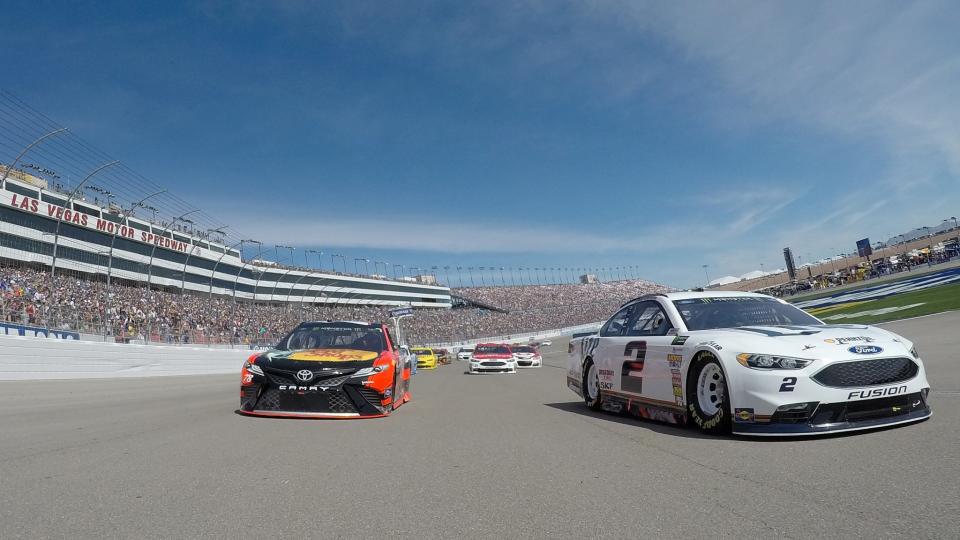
point(708, 401)
point(591, 386)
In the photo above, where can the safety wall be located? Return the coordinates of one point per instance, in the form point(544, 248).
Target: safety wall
point(25, 358)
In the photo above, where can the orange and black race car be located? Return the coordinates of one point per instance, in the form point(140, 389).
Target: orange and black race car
point(330, 369)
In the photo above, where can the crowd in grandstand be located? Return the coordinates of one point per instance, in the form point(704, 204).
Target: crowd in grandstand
point(63, 302)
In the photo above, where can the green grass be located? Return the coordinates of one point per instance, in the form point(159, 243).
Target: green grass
point(933, 300)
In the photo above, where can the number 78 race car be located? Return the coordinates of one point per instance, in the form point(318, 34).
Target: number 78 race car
point(747, 363)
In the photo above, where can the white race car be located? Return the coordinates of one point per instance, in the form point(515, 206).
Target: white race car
point(492, 358)
point(747, 363)
point(465, 354)
point(527, 356)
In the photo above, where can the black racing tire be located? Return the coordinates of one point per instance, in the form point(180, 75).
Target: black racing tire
point(708, 398)
point(592, 403)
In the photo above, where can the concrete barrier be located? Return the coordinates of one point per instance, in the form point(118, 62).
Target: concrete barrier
point(26, 358)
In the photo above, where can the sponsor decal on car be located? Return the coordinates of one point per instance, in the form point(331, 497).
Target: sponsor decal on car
point(865, 349)
point(845, 340)
point(333, 355)
point(877, 392)
point(679, 340)
point(674, 360)
point(743, 416)
point(295, 388)
point(712, 344)
point(677, 382)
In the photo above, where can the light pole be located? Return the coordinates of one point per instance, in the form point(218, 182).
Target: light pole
point(706, 275)
point(276, 251)
point(23, 152)
point(460, 276)
point(470, 273)
point(56, 236)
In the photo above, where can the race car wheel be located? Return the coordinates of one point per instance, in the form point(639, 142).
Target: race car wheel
point(591, 386)
point(708, 403)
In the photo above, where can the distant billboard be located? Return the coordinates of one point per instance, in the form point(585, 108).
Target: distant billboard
point(863, 248)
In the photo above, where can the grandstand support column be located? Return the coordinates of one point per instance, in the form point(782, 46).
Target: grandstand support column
point(319, 278)
point(214, 271)
point(273, 291)
point(236, 282)
point(26, 149)
point(294, 287)
point(153, 250)
point(76, 190)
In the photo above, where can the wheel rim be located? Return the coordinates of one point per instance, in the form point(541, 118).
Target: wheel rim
point(593, 382)
point(710, 389)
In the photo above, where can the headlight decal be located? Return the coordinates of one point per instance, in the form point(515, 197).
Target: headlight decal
point(769, 361)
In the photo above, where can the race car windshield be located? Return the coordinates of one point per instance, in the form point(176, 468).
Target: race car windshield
point(494, 349)
point(524, 349)
point(737, 311)
point(334, 336)
point(422, 352)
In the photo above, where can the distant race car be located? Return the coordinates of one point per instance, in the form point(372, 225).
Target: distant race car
point(747, 363)
point(546, 343)
point(327, 370)
point(426, 359)
point(465, 354)
point(492, 358)
point(527, 356)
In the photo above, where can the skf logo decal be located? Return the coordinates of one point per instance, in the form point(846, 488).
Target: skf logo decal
point(631, 374)
point(606, 378)
point(743, 416)
point(877, 392)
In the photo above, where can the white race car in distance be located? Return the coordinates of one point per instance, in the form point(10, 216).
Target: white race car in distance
point(465, 354)
point(747, 363)
point(526, 356)
point(492, 358)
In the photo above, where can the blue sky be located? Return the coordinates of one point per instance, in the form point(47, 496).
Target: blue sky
point(665, 135)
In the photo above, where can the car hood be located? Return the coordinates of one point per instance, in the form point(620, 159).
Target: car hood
point(338, 359)
point(827, 342)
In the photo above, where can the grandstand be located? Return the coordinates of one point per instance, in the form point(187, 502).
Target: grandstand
point(89, 246)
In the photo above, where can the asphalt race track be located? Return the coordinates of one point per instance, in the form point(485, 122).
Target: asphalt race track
point(470, 456)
